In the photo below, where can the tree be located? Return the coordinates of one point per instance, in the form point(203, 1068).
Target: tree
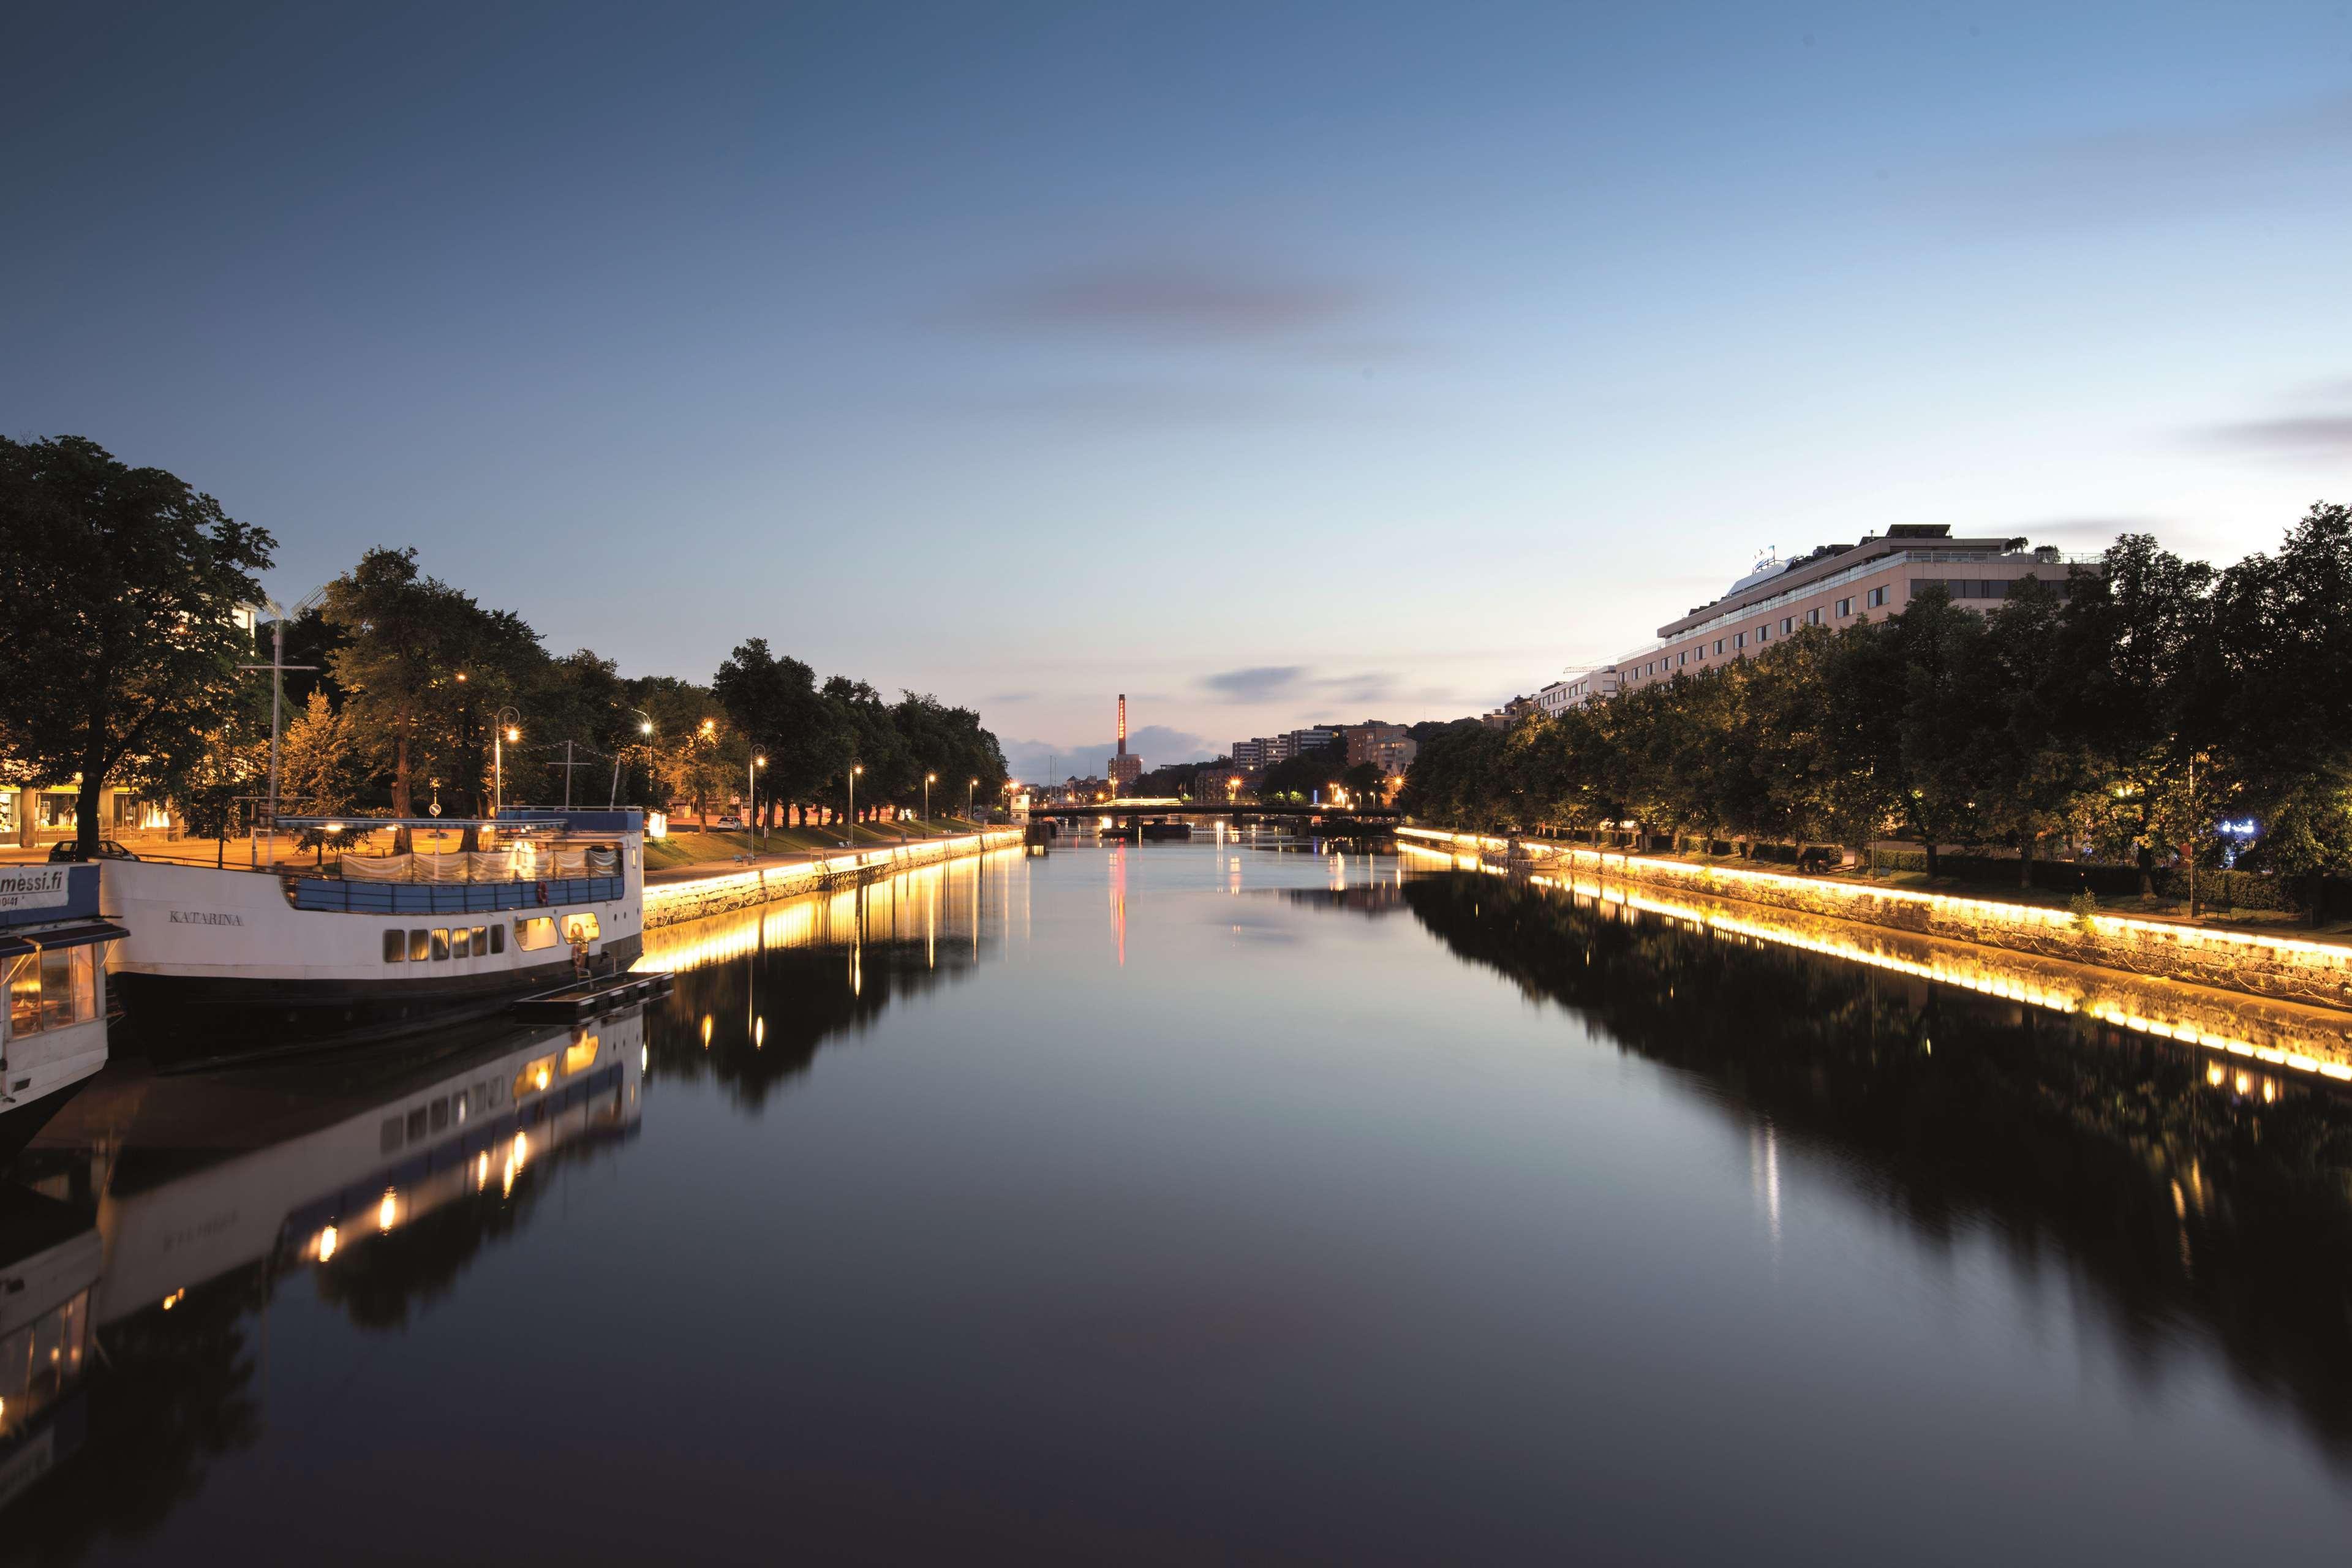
point(873, 743)
point(1304, 773)
point(774, 702)
point(2138, 634)
point(2031, 768)
point(408, 638)
point(119, 647)
point(2285, 661)
point(1941, 720)
point(320, 769)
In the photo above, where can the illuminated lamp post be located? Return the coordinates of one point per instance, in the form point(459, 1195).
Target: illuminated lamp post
point(849, 832)
point(929, 780)
point(751, 788)
point(502, 733)
point(967, 800)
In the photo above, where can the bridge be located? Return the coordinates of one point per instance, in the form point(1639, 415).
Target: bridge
point(1236, 812)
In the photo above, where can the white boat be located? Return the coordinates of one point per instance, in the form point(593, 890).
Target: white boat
point(373, 943)
point(53, 960)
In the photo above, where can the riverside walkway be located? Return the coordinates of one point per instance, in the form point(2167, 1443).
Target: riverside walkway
point(688, 893)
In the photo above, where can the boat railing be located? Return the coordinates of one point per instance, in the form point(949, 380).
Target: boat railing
point(346, 896)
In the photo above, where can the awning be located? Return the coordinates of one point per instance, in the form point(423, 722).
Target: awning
point(78, 936)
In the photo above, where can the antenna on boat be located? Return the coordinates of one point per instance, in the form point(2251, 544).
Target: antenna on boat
point(277, 666)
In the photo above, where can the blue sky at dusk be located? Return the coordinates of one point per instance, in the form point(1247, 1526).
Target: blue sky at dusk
point(1270, 363)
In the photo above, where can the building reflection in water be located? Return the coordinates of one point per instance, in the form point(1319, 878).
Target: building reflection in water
point(760, 991)
point(149, 1225)
point(2176, 1187)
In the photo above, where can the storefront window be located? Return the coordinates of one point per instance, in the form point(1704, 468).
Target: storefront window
point(57, 811)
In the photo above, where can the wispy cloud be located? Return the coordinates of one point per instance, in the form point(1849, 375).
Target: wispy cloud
point(2151, 171)
point(2311, 435)
point(1320, 698)
point(1142, 404)
point(2313, 432)
point(1177, 301)
point(1259, 683)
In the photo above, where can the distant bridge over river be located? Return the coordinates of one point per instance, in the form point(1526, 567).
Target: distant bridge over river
point(1160, 810)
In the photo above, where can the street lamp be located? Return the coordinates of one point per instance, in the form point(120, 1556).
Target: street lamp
point(967, 800)
point(645, 727)
point(751, 787)
point(929, 780)
point(849, 833)
point(501, 733)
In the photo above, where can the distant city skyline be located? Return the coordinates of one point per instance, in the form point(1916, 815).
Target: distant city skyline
point(1294, 365)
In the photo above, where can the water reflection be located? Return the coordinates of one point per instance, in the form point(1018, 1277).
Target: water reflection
point(151, 1222)
point(2202, 1201)
point(758, 992)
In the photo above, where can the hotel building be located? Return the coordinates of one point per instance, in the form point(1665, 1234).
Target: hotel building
point(1834, 586)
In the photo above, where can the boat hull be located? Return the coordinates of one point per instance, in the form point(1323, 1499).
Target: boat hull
point(170, 1010)
point(226, 955)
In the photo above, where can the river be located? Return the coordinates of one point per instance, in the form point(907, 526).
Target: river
point(1229, 1202)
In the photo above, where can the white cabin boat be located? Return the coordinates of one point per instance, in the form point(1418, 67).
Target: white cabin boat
point(53, 962)
point(376, 943)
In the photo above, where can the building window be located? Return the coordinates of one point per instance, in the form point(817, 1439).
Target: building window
point(1875, 597)
point(1845, 606)
point(395, 946)
point(57, 811)
point(461, 942)
point(420, 946)
point(1814, 616)
point(535, 933)
point(1718, 647)
point(481, 941)
point(1764, 632)
point(1739, 640)
point(1787, 625)
point(440, 944)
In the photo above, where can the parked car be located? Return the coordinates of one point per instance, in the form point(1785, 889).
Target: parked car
point(108, 850)
point(725, 822)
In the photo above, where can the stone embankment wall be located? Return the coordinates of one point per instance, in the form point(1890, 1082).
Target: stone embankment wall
point(668, 903)
point(2286, 968)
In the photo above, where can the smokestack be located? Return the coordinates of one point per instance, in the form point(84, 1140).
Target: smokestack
point(1122, 723)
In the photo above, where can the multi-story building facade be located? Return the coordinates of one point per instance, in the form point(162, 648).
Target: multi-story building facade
point(1837, 585)
point(1314, 737)
point(1577, 688)
point(1249, 755)
point(1363, 736)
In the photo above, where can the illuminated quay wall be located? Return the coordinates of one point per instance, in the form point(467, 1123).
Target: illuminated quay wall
point(925, 902)
point(2283, 968)
point(668, 903)
point(2295, 1035)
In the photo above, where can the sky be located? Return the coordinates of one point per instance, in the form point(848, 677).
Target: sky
point(1271, 363)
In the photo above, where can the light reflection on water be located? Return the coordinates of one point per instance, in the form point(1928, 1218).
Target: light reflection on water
point(1248, 1199)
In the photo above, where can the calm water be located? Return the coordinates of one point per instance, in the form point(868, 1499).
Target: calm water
point(1206, 1204)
